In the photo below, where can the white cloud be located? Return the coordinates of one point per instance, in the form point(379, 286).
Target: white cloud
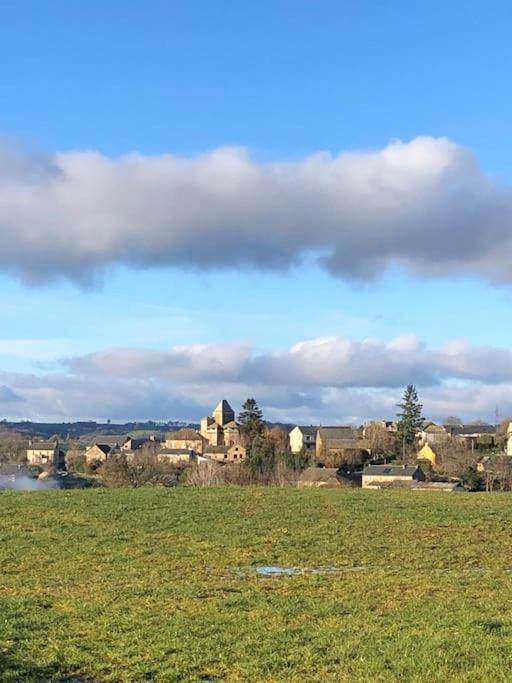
point(329, 379)
point(423, 204)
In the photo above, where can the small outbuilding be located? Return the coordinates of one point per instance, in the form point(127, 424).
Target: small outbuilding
point(320, 477)
point(176, 456)
point(99, 452)
point(379, 476)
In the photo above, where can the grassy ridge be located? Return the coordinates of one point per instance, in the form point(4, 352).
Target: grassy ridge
point(149, 584)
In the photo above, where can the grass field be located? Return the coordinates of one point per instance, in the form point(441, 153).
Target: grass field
point(161, 585)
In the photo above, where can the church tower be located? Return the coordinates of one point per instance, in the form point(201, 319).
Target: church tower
point(223, 413)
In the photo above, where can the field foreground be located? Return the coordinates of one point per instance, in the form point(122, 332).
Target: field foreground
point(162, 585)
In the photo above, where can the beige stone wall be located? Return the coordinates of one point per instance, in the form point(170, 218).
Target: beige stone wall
point(184, 459)
point(94, 454)
point(37, 457)
point(234, 454)
point(232, 437)
point(368, 479)
point(192, 444)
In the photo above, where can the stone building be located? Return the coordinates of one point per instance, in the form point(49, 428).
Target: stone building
point(381, 476)
point(302, 438)
point(99, 452)
point(337, 441)
point(221, 429)
point(188, 439)
point(44, 453)
point(226, 453)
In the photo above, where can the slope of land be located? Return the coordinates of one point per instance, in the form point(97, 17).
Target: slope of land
point(162, 585)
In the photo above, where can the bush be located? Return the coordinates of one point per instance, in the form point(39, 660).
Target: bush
point(143, 470)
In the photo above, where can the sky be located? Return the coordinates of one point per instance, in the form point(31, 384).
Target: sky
point(305, 202)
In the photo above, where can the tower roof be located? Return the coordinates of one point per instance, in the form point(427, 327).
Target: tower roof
point(223, 413)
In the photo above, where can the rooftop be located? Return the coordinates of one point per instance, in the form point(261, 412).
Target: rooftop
point(318, 474)
point(390, 470)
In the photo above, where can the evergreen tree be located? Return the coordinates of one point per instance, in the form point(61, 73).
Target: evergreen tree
point(261, 459)
point(297, 461)
point(251, 421)
point(410, 419)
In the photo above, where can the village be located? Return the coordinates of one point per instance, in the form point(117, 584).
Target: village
point(449, 457)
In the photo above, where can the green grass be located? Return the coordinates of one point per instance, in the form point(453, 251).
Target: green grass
point(156, 585)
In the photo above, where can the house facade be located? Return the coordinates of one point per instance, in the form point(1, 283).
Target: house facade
point(43, 453)
point(176, 456)
point(320, 477)
point(99, 452)
point(226, 453)
point(432, 434)
point(134, 444)
point(509, 439)
point(336, 441)
point(302, 438)
point(186, 439)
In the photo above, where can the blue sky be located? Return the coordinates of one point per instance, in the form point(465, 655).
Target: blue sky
point(284, 80)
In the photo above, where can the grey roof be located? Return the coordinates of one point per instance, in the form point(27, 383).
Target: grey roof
point(390, 470)
point(43, 445)
point(311, 431)
point(138, 442)
point(104, 447)
point(185, 434)
point(341, 443)
point(176, 451)
point(106, 439)
point(318, 474)
point(216, 449)
point(467, 430)
point(344, 432)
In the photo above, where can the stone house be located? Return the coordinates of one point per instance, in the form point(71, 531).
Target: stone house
point(378, 476)
point(133, 444)
point(177, 456)
point(337, 441)
point(186, 439)
point(44, 453)
point(320, 477)
point(432, 434)
point(99, 452)
point(472, 434)
point(226, 453)
point(221, 428)
point(302, 438)
point(386, 425)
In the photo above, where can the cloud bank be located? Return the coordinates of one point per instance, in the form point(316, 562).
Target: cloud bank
point(424, 205)
point(330, 379)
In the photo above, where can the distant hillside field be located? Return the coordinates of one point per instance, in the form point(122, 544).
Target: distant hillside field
point(165, 585)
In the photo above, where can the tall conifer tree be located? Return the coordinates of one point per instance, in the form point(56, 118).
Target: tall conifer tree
point(251, 421)
point(410, 418)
